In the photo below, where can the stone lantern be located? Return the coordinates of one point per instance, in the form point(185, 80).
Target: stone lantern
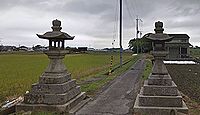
point(56, 37)
point(158, 39)
point(159, 94)
point(55, 91)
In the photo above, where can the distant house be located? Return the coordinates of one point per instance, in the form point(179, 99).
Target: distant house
point(91, 49)
point(82, 49)
point(7, 48)
point(23, 48)
point(40, 48)
point(72, 49)
point(178, 47)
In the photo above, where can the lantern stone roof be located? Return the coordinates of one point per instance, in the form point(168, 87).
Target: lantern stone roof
point(180, 36)
point(56, 33)
point(159, 35)
point(175, 36)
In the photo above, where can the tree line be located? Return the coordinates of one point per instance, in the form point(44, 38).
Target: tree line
point(140, 45)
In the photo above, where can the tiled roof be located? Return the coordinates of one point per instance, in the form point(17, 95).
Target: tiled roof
point(179, 36)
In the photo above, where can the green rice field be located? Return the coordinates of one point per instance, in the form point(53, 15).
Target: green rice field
point(19, 71)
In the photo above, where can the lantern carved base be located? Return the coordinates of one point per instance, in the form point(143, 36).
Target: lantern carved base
point(55, 91)
point(159, 94)
point(159, 99)
point(59, 108)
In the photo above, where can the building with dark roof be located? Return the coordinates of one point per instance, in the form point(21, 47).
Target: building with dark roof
point(178, 47)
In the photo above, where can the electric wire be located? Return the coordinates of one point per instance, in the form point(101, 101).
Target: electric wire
point(116, 21)
point(134, 4)
point(129, 12)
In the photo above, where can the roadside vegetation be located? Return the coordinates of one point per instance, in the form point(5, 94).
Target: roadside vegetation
point(94, 84)
point(195, 52)
point(19, 71)
point(148, 66)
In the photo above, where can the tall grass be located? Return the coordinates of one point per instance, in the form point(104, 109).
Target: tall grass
point(19, 71)
point(195, 53)
point(148, 69)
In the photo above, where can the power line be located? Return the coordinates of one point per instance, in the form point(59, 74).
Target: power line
point(134, 3)
point(129, 12)
point(115, 33)
point(115, 26)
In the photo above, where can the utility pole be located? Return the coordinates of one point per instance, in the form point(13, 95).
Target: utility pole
point(120, 32)
point(137, 32)
point(137, 28)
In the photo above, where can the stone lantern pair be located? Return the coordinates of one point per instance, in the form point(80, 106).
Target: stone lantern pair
point(159, 94)
point(55, 91)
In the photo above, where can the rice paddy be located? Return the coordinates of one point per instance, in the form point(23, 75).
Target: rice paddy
point(19, 71)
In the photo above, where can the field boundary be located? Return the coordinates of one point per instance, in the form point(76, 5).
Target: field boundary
point(109, 83)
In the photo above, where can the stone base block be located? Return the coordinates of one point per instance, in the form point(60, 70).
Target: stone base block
point(54, 78)
point(160, 80)
point(53, 88)
point(157, 110)
point(61, 108)
point(34, 98)
point(157, 90)
point(160, 101)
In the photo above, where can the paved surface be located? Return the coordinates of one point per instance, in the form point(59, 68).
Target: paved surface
point(119, 97)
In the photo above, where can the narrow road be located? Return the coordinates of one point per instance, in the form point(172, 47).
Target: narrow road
point(118, 99)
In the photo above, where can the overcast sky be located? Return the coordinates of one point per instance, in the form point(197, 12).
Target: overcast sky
point(93, 22)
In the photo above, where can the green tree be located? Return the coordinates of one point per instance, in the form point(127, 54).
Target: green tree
point(140, 45)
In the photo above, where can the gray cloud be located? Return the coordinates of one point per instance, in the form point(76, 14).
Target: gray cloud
point(93, 7)
point(94, 21)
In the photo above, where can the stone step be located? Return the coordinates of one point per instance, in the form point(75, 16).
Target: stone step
point(42, 98)
point(54, 78)
point(157, 90)
point(160, 101)
point(73, 102)
point(160, 80)
point(79, 106)
point(53, 88)
point(61, 108)
point(149, 110)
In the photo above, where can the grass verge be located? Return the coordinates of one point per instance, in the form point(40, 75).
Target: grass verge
point(148, 69)
point(100, 79)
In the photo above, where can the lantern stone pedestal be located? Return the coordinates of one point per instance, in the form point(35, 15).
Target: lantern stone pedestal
point(159, 94)
point(55, 91)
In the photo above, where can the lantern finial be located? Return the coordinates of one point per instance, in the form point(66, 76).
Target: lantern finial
point(158, 27)
point(56, 25)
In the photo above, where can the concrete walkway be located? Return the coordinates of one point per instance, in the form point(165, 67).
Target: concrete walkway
point(119, 97)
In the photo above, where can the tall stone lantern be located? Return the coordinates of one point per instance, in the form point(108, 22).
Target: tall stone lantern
point(55, 91)
point(159, 94)
point(158, 39)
